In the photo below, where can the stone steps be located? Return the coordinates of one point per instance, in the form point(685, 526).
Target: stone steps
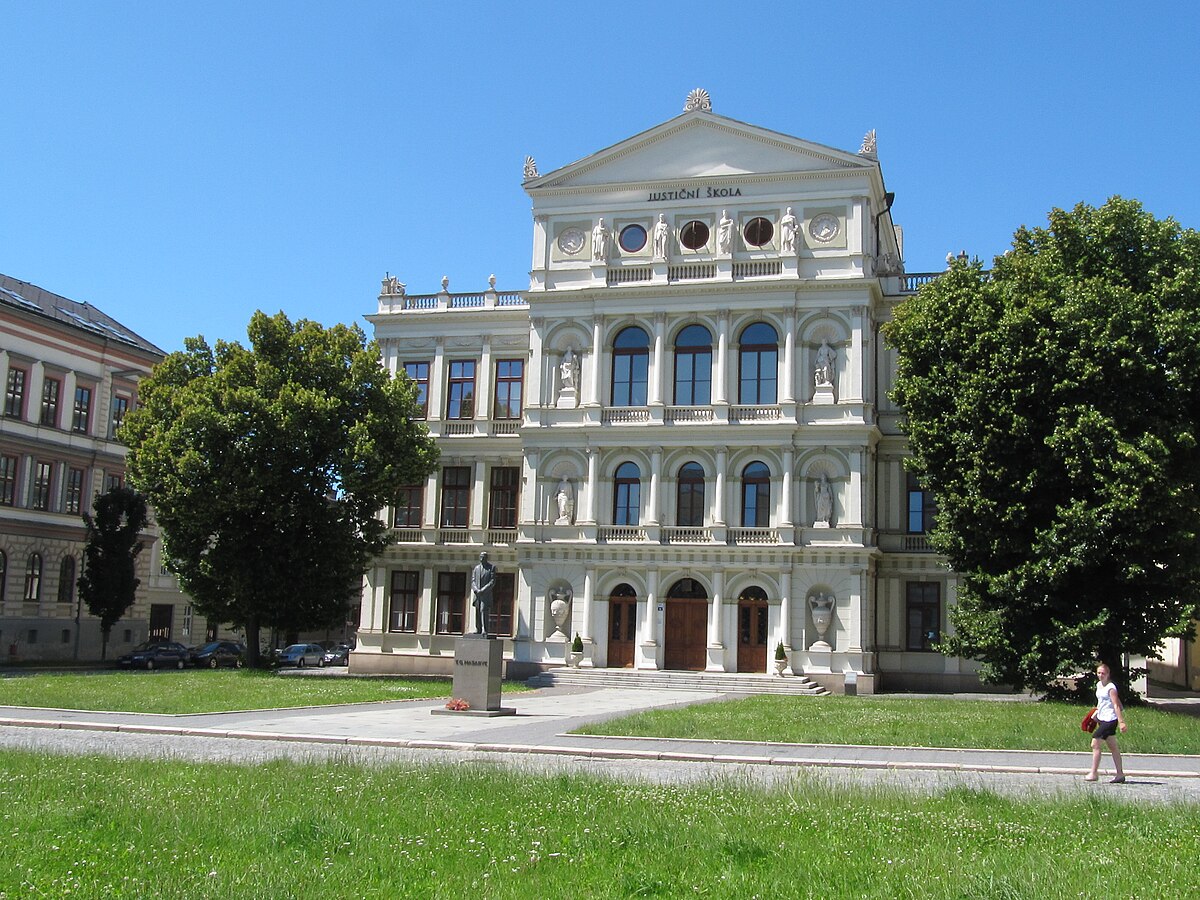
point(725, 682)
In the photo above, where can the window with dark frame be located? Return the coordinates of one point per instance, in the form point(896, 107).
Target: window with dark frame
point(690, 496)
point(693, 367)
point(120, 407)
point(418, 373)
point(923, 615)
point(451, 601)
point(627, 494)
point(456, 496)
point(460, 396)
point(694, 235)
point(81, 414)
point(406, 591)
point(756, 496)
point(73, 497)
point(506, 403)
point(8, 480)
point(43, 475)
point(758, 364)
point(408, 506)
point(501, 620)
point(502, 498)
point(66, 580)
point(630, 367)
point(50, 391)
point(14, 394)
point(113, 480)
point(33, 578)
point(922, 508)
point(758, 231)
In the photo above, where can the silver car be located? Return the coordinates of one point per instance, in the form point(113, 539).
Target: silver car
point(301, 655)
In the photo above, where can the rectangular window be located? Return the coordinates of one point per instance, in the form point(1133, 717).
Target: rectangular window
point(923, 615)
point(502, 505)
point(113, 481)
point(501, 620)
point(631, 377)
point(66, 635)
point(50, 389)
point(8, 480)
point(120, 406)
point(42, 476)
point(187, 620)
point(921, 507)
point(83, 409)
point(14, 395)
point(73, 499)
point(460, 398)
point(451, 601)
point(507, 403)
point(406, 511)
point(406, 589)
point(456, 496)
point(418, 372)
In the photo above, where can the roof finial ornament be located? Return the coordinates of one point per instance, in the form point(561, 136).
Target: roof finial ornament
point(531, 171)
point(698, 99)
point(868, 147)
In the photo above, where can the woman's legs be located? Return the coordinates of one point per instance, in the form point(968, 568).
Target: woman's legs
point(1116, 755)
point(1096, 751)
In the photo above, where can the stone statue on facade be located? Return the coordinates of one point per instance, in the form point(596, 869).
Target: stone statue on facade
point(826, 363)
point(725, 233)
point(600, 238)
point(483, 582)
point(391, 286)
point(824, 503)
point(787, 233)
point(564, 499)
point(568, 370)
point(662, 234)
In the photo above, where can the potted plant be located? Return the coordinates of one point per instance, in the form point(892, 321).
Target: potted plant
point(781, 659)
point(575, 656)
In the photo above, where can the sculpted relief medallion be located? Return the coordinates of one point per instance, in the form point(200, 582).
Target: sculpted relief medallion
point(571, 241)
point(824, 228)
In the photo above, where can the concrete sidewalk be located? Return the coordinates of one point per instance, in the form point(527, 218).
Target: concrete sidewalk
point(400, 729)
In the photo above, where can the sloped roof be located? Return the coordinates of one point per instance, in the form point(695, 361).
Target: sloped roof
point(72, 313)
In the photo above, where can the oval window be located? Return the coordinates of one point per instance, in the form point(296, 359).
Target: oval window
point(694, 235)
point(633, 238)
point(758, 231)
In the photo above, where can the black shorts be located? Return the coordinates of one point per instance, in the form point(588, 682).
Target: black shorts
point(1105, 730)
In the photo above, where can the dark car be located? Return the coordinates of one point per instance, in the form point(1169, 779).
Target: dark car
point(338, 655)
point(155, 655)
point(301, 655)
point(219, 653)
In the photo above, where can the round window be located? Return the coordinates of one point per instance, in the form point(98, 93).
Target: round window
point(633, 238)
point(694, 235)
point(758, 231)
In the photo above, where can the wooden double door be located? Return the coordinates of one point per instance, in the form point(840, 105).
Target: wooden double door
point(622, 627)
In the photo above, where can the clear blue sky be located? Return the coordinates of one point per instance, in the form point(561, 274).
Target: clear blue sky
point(180, 165)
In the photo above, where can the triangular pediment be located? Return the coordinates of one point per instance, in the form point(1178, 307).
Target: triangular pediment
point(698, 144)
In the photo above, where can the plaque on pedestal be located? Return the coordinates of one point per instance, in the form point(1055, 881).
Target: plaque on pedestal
point(478, 671)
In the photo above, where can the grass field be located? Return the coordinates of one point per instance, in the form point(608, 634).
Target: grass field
point(905, 721)
point(99, 827)
point(201, 690)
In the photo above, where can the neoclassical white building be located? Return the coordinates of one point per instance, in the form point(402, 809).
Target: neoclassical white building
point(677, 443)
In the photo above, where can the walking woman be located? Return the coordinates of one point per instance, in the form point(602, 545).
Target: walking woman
point(1111, 716)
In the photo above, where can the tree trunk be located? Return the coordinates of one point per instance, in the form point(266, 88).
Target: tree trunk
point(253, 657)
point(104, 632)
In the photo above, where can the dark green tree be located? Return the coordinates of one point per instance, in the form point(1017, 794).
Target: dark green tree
point(266, 467)
point(1052, 408)
point(108, 584)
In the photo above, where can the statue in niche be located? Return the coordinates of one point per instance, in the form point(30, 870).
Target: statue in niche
point(600, 238)
point(662, 233)
point(725, 233)
point(826, 361)
point(564, 499)
point(787, 233)
point(824, 497)
point(568, 371)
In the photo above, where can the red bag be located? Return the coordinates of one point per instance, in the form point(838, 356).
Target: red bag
point(1089, 722)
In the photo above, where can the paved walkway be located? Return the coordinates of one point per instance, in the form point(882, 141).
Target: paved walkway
point(537, 739)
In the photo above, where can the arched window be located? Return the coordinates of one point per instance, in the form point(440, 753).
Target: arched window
point(627, 494)
point(756, 496)
point(693, 367)
point(66, 580)
point(33, 577)
point(630, 367)
point(690, 495)
point(758, 364)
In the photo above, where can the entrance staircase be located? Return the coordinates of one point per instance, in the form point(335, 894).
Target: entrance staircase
point(724, 682)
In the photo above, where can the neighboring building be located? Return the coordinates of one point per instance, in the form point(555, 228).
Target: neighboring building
point(70, 374)
point(678, 442)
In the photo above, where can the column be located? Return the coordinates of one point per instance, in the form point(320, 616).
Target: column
point(536, 366)
point(589, 586)
point(66, 407)
point(719, 508)
point(787, 380)
point(437, 379)
point(714, 611)
point(33, 395)
point(855, 361)
point(589, 510)
point(785, 609)
point(478, 485)
point(425, 603)
point(429, 499)
point(785, 508)
point(650, 629)
point(658, 360)
point(483, 397)
point(652, 513)
point(854, 490)
point(593, 392)
point(720, 377)
point(529, 492)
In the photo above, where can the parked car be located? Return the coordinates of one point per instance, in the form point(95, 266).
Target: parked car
point(155, 655)
point(338, 655)
point(219, 653)
point(301, 655)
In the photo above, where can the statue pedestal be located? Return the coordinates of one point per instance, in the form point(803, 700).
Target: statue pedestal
point(823, 395)
point(567, 399)
point(478, 671)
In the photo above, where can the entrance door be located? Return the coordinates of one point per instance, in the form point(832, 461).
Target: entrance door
point(686, 626)
point(622, 627)
point(752, 631)
point(160, 621)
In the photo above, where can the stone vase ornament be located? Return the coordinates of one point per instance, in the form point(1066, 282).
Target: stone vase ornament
point(560, 607)
point(821, 606)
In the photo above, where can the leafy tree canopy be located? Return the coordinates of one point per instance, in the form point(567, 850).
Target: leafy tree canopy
point(1053, 409)
point(266, 467)
point(108, 585)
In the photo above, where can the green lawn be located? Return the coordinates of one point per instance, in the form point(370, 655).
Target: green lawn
point(201, 690)
point(109, 828)
point(905, 721)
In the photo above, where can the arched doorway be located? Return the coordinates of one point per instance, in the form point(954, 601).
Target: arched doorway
point(622, 626)
point(686, 627)
point(752, 630)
